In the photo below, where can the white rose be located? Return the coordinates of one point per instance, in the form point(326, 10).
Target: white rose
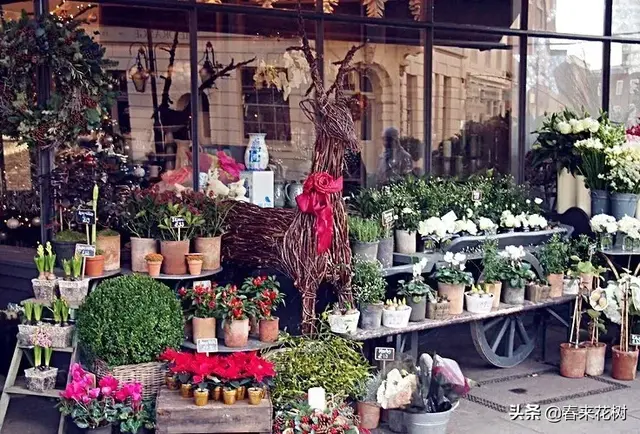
point(563, 128)
point(537, 201)
point(593, 126)
point(576, 126)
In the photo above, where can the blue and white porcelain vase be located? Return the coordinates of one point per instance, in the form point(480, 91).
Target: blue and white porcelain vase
point(256, 157)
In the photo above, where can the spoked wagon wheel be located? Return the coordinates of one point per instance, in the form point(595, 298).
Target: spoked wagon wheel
point(506, 341)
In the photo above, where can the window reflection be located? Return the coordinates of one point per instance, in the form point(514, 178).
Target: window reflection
point(625, 84)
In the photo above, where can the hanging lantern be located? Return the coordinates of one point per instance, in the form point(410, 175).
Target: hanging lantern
point(13, 223)
point(138, 73)
point(208, 68)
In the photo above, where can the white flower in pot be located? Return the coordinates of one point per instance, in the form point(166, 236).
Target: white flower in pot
point(343, 319)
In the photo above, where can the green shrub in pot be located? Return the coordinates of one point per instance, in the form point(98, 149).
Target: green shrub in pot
point(369, 288)
point(130, 320)
point(365, 236)
point(554, 259)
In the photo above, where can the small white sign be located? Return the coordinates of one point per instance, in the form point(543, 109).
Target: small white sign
point(635, 339)
point(385, 354)
point(86, 250)
point(207, 345)
point(205, 284)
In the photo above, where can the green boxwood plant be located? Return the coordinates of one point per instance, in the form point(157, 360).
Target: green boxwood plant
point(367, 282)
point(554, 255)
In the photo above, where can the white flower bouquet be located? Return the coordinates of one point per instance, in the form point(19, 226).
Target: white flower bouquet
point(623, 164)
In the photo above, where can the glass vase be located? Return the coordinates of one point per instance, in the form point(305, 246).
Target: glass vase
point(636, 245)
point(606, 242)
point(627, 243)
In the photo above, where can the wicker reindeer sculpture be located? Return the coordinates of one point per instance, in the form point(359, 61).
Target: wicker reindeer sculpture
point(309, 244)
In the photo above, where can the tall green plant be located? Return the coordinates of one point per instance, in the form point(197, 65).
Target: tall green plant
point(493, 265)
point(554, 255)
point(364, 230)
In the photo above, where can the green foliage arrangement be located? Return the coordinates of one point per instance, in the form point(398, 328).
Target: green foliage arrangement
point(129, 320)
point(554, 255)
point(364, 230)
point(368, 284)
point(192, 222)
point(69, 236)
point(139, 214)
point(324, 360)
point(493, 265)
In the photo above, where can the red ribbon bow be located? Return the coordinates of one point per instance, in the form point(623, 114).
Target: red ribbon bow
point(314, 199)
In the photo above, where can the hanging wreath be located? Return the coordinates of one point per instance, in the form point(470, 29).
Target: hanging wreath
point(81, 89)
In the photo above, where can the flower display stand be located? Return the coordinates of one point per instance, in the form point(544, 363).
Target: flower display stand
point(178, 415)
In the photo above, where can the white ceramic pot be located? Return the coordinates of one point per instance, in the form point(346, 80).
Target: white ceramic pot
point(406, 242)
point(256, 157)
point(396, 319)
point(344, 323)
point(477, 304)
point(571, 287)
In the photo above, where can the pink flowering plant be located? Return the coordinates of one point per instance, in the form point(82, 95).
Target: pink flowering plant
point(91, 406)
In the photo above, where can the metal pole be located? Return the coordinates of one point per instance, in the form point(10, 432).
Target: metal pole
point(427, 72)
point(195, 96)
point(522, 91)
point(606, 55)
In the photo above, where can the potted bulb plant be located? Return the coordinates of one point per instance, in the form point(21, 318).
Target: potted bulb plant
point(492, 270)
point(41, 377)
point(28, 326)
point(367, 405)
point(266, 303)
point(194, 261)
point(61, 332)
point(452, 280)
point(365, 236)
point(478, 300)
point(553, 259)
point(369, 288)
point(343, 319)
point(595, 349)
point(417, 292)
point(516, 274)
point(177, 226)
point(139, 215)
point(396, 313)
point(44, 286)
point(64, 243)
point(153, 263)
point(235, 310)
point(73, 289)
point(439, 309)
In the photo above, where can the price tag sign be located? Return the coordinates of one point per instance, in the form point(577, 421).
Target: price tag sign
point(387, 218)
point(476, 195)
point(385, 354)
point(204, 284)
point(85, 250)
point(178, 222)
point(635, 339)
point(85, 217)
point(207, 345)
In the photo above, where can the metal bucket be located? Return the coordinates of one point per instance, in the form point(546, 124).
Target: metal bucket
point(428, 423)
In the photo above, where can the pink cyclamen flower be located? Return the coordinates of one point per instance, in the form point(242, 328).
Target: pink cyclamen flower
point(108, 385)
point(94, 393)
point(86, 399)
point(77, 373)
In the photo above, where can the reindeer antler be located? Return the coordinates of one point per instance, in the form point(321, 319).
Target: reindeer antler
point(345, 68)
point(224, 72)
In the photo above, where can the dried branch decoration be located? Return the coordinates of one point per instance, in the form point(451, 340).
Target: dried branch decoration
point(415, 6)
point(375, 8)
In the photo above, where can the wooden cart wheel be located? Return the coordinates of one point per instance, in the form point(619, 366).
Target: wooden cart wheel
point(506, 341)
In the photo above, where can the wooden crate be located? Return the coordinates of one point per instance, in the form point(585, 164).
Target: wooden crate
point(176, 415)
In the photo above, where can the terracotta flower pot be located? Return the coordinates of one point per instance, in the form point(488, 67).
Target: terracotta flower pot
point(94, 267)
point(203, 328)
point(595, 358)
point(229, 396)
point(210, 248)
point(573, 361)
point(455, 294)
point(154, 268)
point(236, 333)
point(241, 393)
point(624, 364)
point(216, 393)
point(269, 329)
point(141, 247)
point(556, 282)
point(255, 395)
point(201, 397)
point(110, 245)
point(494, 288)
point(186, 391)
point(369, 415)
point(171, 382)
point(174, 253)
point(195, 267)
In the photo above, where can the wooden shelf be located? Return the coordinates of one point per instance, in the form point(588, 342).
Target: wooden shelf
point(59, 350)
point(22, 390)
point(252, 345)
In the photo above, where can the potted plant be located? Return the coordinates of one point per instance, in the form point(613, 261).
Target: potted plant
point(94, 265)
point(194, 261)
point(139, 215)
point(536, 291)
point(452, 280)
point(267, 302)
point(108, 241)
point(417, 292)
point(177, 225)
point(595, 349)
point(365, 236)
point(367, 406)
point(201, 391)
point(369, 288)
point(64, 244)
point(337, 417)
point(154, 263)
point(61, 331)
point(136, 416)
point(623, 178)
point(73, 289)
point(573, 357)
point(28, 326)
point(343, 319)
point(214, 212)
point(235, 309)
point(516, 274)
point(553, 259)
point(478, 300)
point(251, 288)
point(586, 271)
point(492, 270)
point(44, 287)
point(439, 309)
point(41, 377)
point(405, 230)
point(605, 228)
point(396, 313)
point(204, 303)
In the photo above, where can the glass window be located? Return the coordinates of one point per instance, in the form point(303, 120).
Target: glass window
point(582, 17)
point(625, 76)
point(474, 106)
point(493, 13)
point(626, 18)
point(265, 108)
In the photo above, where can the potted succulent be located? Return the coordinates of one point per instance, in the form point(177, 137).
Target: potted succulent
point(205, 304)
point(214, 212)
point(41, 377)
point(73, 289)
point(153, 263)
point(235, 309)
point(367, 406)
point(573, 357)
point(478, 300)
point(369, 288)
point(108, 241)
point(365, 236)
point(177, 225)
point(139, 215)
point(553, 256)
point(343, 319)
point(452, 280)
point(61, 331)
point(595, 349)
point(516, 274)
point(492, 270)
point(266, 303)
point(94, 265)
point(64, 244)
point(417, 292)
point(396, 313)
point(194, 261)
point(44, 287)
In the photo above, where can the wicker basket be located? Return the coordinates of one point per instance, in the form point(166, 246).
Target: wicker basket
point(150, 375)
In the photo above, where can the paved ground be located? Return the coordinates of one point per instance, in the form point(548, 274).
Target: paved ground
point(486, 411)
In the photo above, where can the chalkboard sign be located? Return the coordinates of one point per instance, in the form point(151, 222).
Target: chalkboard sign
point(385, 354)
point(387, 218)
point(178, 222)
point(476, 195)
point(85, 217)
point(635, 339)
point(207, 345)
point(86, 250)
